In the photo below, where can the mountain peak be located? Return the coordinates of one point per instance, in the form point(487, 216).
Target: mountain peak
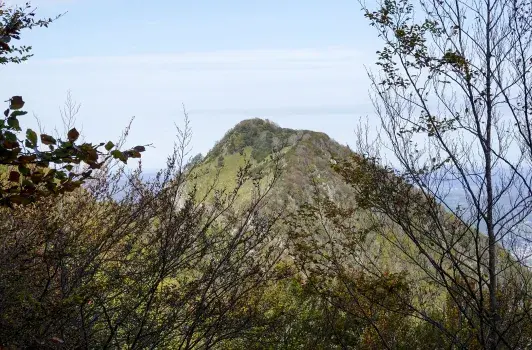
point(305, 154)
point(261, 135)
point(256, 123)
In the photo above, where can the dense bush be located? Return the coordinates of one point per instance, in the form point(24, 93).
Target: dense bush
point(157, 268)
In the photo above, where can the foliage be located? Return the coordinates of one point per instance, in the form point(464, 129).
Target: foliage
point(31, 172)
point(231, 252)
point(13, 20)
point(195, 161)
point(453, 100)
point(158, 267)
point(34, 173)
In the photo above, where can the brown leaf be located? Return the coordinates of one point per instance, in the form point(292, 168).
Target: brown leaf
point(27, 159)
point(92, 155)
point(11, 144)
point(36, 177)
point(4, 46)
point(57, 340)
point(14, 176)
point(47, 139)
point(16, 102)
point(73, 135)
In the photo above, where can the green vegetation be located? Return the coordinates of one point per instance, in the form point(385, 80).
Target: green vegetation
point(281, 238)
point(262, 136)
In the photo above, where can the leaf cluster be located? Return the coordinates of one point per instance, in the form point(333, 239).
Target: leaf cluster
point(39, 165)
point(14, 20)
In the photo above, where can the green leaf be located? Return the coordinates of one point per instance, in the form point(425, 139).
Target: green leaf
point(23, 170)
point(60, 175)
point(18, 114)
point(48, 140)
point(51, 186)
point(27, 183)
point(36, 177)
point(13, 122)
point(31, 136)
point(109, 145)
point(116, 154)
point(10, 136)
point(18, 199)
point(120, 155)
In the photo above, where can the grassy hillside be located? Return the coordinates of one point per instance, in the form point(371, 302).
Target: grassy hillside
point(305, 156)
point(308, 268)
point(308, 178)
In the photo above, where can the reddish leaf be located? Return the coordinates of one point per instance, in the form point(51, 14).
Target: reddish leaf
point(57, 340)
point(73, 135)
point(14, 176)
point(134, 154)
point(11, 144)
point(4, 46)
point(27, 159)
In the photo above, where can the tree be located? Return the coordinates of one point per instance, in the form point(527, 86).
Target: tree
point(334, 249)
point(136, 263)
point(453, 96)
point(13, 20)
point(121, 261)
point(198, 158)
point(35, 165)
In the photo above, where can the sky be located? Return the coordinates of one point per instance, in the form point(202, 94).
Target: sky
point(300, 63)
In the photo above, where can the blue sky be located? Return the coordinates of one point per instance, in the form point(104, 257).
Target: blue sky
point(298, 63)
